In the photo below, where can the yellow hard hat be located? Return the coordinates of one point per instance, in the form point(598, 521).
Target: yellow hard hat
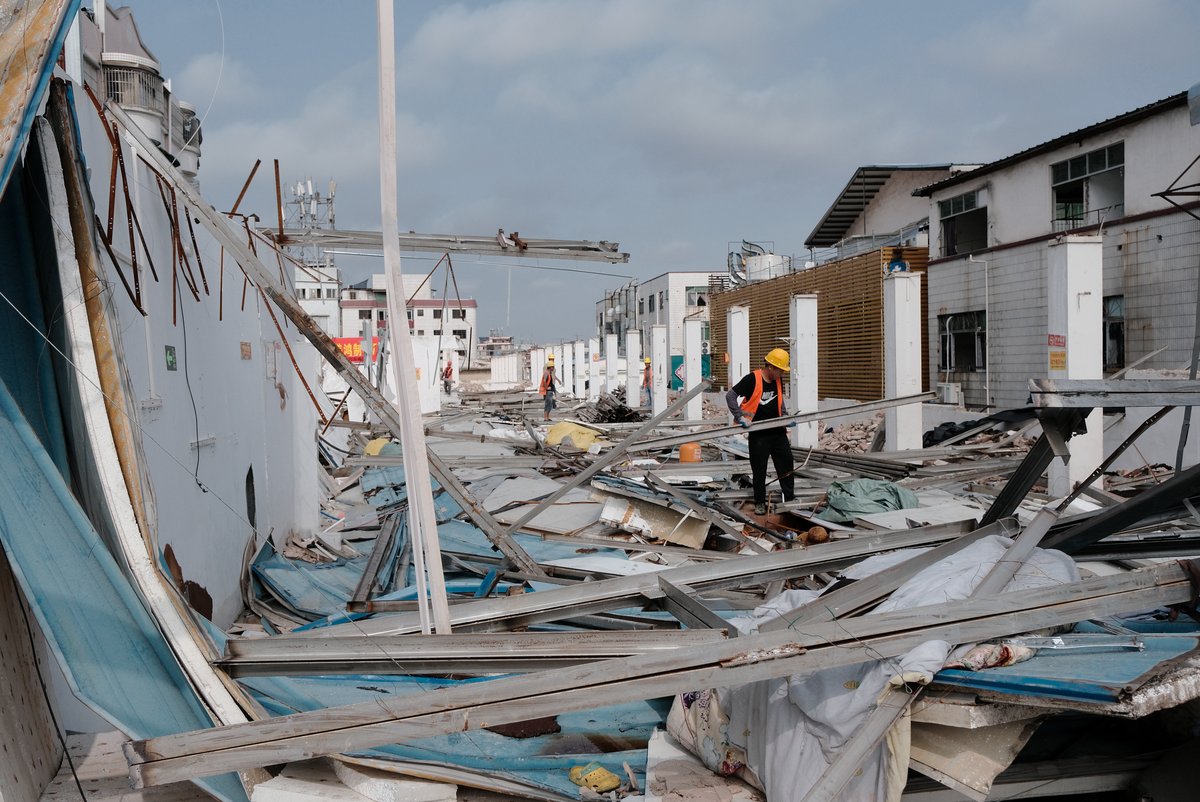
point(646, 360)
point(550, 358)
point(779, 358)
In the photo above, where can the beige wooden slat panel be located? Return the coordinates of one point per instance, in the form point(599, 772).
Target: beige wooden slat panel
point(849, 320)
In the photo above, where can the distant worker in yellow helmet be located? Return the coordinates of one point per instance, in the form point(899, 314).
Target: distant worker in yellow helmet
point(548, 388)
point(757, 397)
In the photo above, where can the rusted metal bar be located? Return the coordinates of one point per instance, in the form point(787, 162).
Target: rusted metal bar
point(278, 202)
point(137, 302)
point(196, 248)
point(288, 347)
point(245, 187)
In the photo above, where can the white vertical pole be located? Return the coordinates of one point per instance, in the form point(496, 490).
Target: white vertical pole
point(422, 520)
point(611, 358)
point(593, 369)
point(803, 337)
point(692, 366)
point(660, 367)
point(1074, 345)
point(633, 368)
point(737, 327)
point(537, 361)
point(568, 369)
point(902, 358)
point(580, 349)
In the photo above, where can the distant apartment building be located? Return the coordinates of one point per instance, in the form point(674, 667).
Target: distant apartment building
point(991, 231)
point(453, 319)
point(665, 299)
point(319, 291)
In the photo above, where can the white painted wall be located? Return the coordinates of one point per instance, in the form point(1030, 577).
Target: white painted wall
point(802, 314)
point(894, 205)
point(902, 358)
point(1073, 346)
point(692, 329)
point(660, 365)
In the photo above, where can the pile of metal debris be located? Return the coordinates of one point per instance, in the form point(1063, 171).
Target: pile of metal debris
point(623, 627)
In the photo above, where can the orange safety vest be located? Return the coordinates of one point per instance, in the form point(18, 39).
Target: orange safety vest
point(547, 381)
point(750, 405)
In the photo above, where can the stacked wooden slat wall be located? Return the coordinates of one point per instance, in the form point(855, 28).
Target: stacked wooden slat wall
point(849, 320)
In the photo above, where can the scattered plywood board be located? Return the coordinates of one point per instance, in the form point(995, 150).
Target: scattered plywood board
point(968, 761)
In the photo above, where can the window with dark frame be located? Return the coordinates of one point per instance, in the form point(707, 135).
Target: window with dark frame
point(1089, 188)
point(1114, 333)
point(962, 340)
point(963, 224)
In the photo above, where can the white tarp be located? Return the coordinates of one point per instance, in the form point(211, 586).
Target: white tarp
point(787, 732)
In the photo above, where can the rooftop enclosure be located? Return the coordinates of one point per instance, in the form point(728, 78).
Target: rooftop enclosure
point(849, 320)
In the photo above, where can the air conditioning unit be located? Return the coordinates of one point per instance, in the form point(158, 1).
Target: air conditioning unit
point(705, 347)
point(950, 393)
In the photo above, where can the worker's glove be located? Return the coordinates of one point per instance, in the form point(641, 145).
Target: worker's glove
point(792, 425)
point(745, 423)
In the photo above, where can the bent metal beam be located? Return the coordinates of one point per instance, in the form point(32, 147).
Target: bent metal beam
point(747, 659)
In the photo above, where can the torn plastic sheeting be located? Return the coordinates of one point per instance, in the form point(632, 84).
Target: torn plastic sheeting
point(859, 496)
point(568, 433)
point(540, 762)
point(791, 730)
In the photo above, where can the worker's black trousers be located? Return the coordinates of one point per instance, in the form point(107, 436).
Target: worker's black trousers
point(774, 445)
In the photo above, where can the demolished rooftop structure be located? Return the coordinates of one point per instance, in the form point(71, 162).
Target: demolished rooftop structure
point(554, 611)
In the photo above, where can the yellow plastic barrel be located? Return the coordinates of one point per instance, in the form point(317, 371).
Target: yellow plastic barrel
point(689, 452)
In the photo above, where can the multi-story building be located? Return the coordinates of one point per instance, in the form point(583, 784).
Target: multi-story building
point(319, 290)
point(991, 230)
point(667, 299)
point(451, 318)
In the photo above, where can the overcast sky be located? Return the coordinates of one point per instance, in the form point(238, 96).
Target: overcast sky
point(674, 127)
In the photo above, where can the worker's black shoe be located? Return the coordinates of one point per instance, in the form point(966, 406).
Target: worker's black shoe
point(760, 508)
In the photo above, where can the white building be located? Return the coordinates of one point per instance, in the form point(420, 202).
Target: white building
point(991, 230)
point(453, 319)
point(319, 291)
point(668, 299)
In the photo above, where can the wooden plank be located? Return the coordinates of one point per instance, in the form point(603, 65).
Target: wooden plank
point(748, 659)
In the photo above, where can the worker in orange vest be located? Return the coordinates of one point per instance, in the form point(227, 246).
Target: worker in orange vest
point(758, 396)
point(647, 382)
point(548, 387)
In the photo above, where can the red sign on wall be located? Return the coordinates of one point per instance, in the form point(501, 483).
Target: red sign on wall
point(1056, 340)
point(352, 348)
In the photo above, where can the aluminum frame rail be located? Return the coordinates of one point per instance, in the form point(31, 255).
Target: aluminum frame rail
point(778, 423)
point(491, 615)
point(1090, 393)
point(450, 654)
point(371, 241)
point(750, 658)
point(218, 226)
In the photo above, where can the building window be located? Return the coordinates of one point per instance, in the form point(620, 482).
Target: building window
point(382, 314)
point(420, 332)
point(458, 314)
point(437, 332)
point(1114, 333)
point(364, 314)
point(460, 333)
point(331, 292)
point(1089, 189)
point(420, 313)
point(697, 296)
point(437, 314)
point(963, 340)
point(963, 223)
point(408, 313)
point(651, 304)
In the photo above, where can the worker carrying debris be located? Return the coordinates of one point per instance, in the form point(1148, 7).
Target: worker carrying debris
point(758, 397)
point(548, 387)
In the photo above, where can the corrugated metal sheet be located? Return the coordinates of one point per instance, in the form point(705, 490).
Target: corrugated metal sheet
point(849, 320)
point(106, 643)
point(31, 37)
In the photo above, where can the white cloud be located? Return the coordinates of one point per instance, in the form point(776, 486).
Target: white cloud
point(212, 80)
